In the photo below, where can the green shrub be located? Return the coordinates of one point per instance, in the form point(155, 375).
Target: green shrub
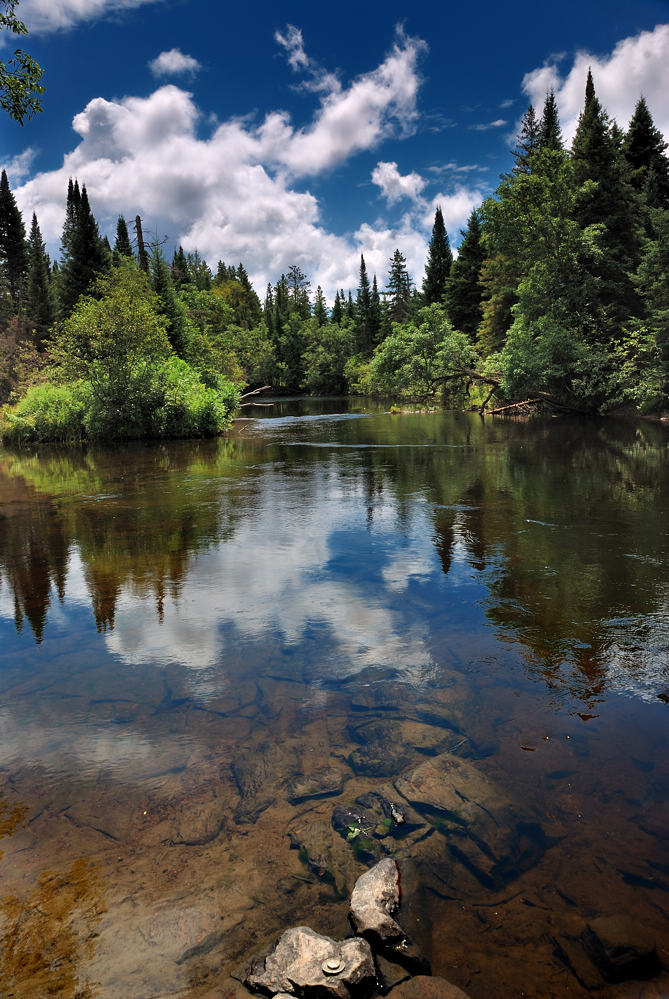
point(47, 413)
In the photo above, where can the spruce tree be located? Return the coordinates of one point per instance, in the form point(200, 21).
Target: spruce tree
point(363, 304)
point(13, 248)
point(527, 142)
point(169, 305)
point(463, 291)
point(122, 245)
point(268, 307)
point(644, 149)
point(180, 275)
point(439, 261)
point(298, 288)
point(375, 313)
point(84, 256)
point(607, 200)
point(337, 309)
point(550, 133)
point(350, 307)
point(39, 308)
point(320, 308)
point(398, 294)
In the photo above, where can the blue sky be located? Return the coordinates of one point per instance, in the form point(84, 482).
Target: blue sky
point(298, 133)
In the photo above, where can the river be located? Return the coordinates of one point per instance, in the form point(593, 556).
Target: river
point(207, 648)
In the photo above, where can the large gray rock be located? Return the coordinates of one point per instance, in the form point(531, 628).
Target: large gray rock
point(295, 966)
point(374, 902)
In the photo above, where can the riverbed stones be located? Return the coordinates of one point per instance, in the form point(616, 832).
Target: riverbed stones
point(374, 902)
point(296, 964)
point(427, 987)
point(321, 784)
point(493, 836)
point(621, 948)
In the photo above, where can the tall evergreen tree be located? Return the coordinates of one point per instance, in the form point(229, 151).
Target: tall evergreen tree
point(398, 293)
point(39, 308)
point(463, 291)
point(337, 311)
point(607, 200)
point(122, 245)
point(350, 307)
point(298, 289)
point(180, 275)
point(550, 133)
point(320, 308)
point(375, 313)
point(84, 255)
point(644, 149)
point(13, 248)
point(439, 261)
point(527, 142)
point(363, 304)
point(169, 304)
point(268, 307)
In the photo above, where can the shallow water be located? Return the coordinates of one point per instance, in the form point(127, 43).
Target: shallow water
point(206, 648)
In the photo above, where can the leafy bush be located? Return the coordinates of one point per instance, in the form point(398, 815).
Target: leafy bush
point(47, 413)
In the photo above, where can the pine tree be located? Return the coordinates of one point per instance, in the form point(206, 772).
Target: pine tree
point(350, 307)
point(122, 246)
point(363, 304)
point(606, 199)
point(644, 149)
point(439, 261)
point(250, 313)
point(337, 309)
point(180, 275)
point(375, 313)
point(199, 271)
point(13, 249)
point(398, 294)
point(169, 305)
point(527, 142)
point(463, 291)
point(84, 255)
point(298, 288)
point(268, 308)
point(550, 133)
point(39, 308)
point(320, 308)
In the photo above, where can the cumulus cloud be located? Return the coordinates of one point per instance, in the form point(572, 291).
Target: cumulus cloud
point(235, 193)
point(638, 65)
point(43, 16)
point(174, 62)
point(394, 185)
point(19, 166)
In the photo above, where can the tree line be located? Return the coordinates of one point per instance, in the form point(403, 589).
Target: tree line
point(558, 295)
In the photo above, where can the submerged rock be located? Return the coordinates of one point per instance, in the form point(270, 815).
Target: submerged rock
point(321, 784)
point(621, 948)
point(374, 902)
point(493, 836)
point(303, 963)
point(424, 987)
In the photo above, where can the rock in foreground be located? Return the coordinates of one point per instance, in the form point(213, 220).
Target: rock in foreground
point(374, 902)
point(298, 966)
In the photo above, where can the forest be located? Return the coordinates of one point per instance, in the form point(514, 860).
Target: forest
point(557, 297)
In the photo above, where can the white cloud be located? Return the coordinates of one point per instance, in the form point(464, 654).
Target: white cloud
point(43, 16)
point(638, 65)
point(233, 194)
point(488, 125)
point(394, 185)
point(19, 166)
point(173, 62)
point(291, 40)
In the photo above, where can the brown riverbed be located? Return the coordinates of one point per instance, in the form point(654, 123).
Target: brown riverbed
point(193, 634)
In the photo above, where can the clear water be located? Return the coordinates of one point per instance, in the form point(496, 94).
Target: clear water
point(206, 648)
